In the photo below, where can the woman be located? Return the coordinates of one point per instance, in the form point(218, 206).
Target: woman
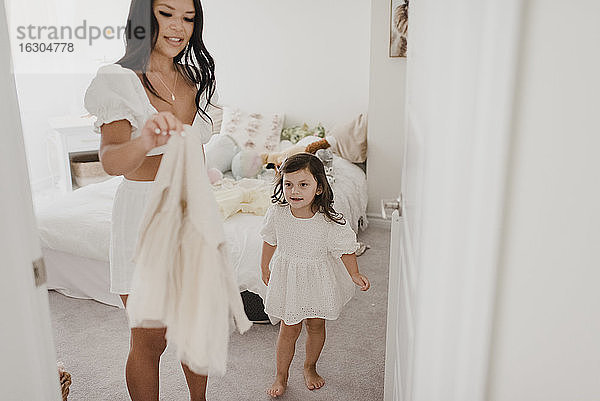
point(164, 80)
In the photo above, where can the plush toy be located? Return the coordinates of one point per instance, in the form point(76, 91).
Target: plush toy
point(326, 156)
point(214, 175)
point(275, 159)
point(220, 151)
point(246, 164)
point(272, 159)
point(320, 144)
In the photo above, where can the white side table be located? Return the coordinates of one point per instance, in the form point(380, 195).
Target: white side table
point(69, 136)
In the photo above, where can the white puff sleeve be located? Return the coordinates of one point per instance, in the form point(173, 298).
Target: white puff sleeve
point(268, 231)
point(341, 239)
point(201, 121)
point(113, 95)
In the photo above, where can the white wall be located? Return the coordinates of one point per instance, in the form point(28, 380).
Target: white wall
point(386, 111)
point(52, 84)
point(43, 96)
point(309, 59)
point(547, 330)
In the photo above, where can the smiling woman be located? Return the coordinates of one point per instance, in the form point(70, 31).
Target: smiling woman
point(165, 79)
point(174, 42)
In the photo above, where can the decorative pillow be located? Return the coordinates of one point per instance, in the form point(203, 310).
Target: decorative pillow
point(351, 139)
point(220, 150)
point(295, 134)
point(253, 131)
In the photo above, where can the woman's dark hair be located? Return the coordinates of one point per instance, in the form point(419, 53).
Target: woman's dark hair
point(322, 202)
point(141, 33)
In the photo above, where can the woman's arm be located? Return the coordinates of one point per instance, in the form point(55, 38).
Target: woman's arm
point(351, 264)
point(121, 155)
point(267, 253)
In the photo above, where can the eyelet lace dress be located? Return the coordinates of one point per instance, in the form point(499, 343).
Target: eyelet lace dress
point(308, 278)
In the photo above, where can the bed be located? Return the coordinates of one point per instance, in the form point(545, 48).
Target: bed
point(75, 235)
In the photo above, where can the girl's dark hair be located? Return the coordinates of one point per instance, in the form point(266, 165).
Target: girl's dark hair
point(323, 202)
point(198, 66)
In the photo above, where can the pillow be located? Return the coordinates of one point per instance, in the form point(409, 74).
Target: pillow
point(295, 134)
point(351, 139)
point(253, 131)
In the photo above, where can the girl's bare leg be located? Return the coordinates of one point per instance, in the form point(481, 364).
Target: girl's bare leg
point(141, 372)
point(196, 384)
point(286, 346)
point(315, 340)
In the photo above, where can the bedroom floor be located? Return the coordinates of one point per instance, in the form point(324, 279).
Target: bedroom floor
point(92, 341)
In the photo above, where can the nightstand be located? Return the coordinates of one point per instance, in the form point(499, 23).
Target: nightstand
point(69, 137)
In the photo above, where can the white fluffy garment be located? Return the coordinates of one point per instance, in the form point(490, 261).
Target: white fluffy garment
point(183, 280)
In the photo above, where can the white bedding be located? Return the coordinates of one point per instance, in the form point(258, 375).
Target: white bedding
point(79, 224)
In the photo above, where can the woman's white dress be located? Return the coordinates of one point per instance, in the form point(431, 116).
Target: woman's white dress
point(308, 278)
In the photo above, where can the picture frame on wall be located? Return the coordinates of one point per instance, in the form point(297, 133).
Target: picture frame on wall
point(398, 28)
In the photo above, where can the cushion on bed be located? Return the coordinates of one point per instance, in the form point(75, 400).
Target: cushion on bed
point(351, 138)
point(253, 130)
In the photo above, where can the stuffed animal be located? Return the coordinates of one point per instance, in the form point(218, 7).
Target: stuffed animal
point(273, 159)
point(220, 151)
point(214, 175)
point(320, 144)
point(326, 156)
point(246, 164)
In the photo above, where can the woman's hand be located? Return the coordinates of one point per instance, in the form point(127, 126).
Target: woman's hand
point(361, 281)
point(266, 274)
point(159, 128)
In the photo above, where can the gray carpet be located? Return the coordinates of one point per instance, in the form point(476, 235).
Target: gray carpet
point(92, 340)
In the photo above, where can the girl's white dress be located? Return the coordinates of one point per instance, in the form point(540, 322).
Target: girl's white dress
point(308, 278)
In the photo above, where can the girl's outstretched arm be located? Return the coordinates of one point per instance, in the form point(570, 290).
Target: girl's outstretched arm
point(351, 264)
point(267, 253)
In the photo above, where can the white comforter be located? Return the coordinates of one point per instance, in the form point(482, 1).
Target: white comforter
point(79, 223)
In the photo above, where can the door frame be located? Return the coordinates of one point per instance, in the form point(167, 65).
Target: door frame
point(28, 370)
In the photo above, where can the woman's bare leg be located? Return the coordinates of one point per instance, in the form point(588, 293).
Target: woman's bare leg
point(286, 346)
point(147, 345)
point(196, 384)
point(315, 340)
point(141, 372)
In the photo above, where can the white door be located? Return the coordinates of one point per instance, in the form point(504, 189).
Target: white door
point(28, 369)
point(462, 60)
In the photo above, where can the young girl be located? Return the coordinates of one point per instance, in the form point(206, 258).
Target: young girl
point(308, 264)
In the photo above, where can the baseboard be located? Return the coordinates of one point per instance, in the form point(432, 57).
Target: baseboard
point(375, 220)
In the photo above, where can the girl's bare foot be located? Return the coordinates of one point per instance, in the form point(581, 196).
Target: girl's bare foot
point(278, 387)
point(312, 379)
